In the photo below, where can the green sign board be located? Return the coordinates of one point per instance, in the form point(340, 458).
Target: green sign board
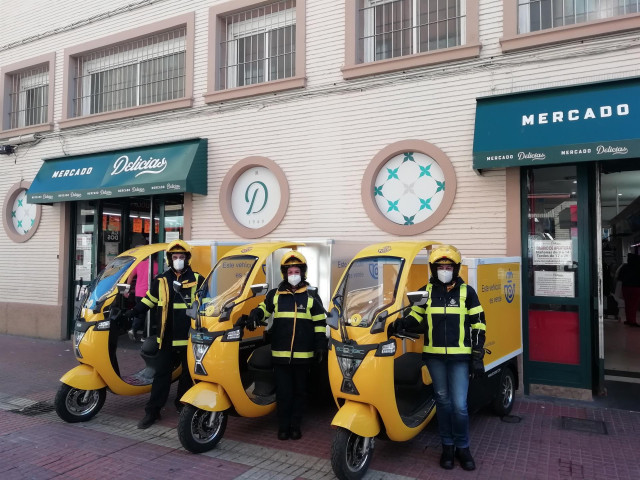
point(150, 170)
point(562, 125)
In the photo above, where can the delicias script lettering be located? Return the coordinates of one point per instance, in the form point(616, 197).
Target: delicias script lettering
point(153, 165)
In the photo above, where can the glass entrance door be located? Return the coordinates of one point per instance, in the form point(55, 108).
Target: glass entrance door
point(556, 276)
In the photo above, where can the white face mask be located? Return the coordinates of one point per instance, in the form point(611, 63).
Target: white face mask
point(445, 276)
point(178, 264)
point(294, 280)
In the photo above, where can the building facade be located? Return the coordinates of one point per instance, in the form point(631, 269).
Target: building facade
point(477, 123)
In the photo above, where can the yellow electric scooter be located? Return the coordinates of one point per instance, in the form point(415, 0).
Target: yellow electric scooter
point(379, 382)
point(231, 367)
point(95, 339)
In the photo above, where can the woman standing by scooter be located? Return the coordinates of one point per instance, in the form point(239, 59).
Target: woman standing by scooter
point(455, 328)
point(297, 338)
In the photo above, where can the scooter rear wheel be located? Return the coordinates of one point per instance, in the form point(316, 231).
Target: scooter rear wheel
point(75, 405)
point(351, 454)
point(200, 430)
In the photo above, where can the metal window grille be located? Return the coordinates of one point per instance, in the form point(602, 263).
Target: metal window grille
point(259, 45)
point(29, 97)
point(394, 28)
point(535, 15)
point(140, 72)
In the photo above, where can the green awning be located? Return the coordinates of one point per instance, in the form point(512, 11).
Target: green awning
point(150, 170)
point(597, 121)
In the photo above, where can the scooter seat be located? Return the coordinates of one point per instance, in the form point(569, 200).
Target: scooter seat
point(261, 358)
point(407, 369)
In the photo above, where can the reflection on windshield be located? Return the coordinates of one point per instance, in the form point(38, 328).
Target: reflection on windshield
point(106, 281)
point(226, 282)
point(368, 287)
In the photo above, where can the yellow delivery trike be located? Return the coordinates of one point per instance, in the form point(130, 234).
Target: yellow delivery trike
point(379, 382)
point(98, 326)
point(231, 367)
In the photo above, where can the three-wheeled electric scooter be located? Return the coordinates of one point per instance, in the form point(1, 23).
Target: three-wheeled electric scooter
point(231, 366)
point(95, 339)
point(379, 382)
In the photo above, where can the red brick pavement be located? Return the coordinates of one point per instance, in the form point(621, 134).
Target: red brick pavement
point(44, 447)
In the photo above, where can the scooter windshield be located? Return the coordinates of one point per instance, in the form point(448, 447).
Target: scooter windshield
point(106, 281)
point(225, 283)
point(369, 286)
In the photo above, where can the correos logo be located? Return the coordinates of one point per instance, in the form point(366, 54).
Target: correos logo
point(509, 288)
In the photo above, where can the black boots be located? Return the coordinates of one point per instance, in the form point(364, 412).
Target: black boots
point(466, 460)
point(283, 434)
point(295, 433)
point(148, 420)
point(446, 459)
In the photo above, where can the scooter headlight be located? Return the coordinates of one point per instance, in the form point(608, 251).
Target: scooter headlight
point(77, 338)
point(199, 351)
point(348, 366)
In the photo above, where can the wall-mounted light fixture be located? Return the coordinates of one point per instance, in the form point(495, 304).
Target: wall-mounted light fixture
point(6, 149)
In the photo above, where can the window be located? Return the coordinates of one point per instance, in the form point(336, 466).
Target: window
point(534, 15)
point(140, 72)
point(145, 70)
point(259, 45)
point(390, 35)
point(533, 23)
point(259, 48)
point(27, 88)
point(29, 97)
point(393, 28)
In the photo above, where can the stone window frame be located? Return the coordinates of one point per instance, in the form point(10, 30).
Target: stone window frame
point(10, 197)
point(352, 69)
point(216, 13)
point(513, 41)
point(6, 73)
point(378, 162)
point(70, 54)
point(226, 191)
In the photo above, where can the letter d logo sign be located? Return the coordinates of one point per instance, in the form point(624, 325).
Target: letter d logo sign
point(251, 196)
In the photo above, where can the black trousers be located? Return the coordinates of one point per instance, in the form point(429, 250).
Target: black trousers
point(168, 356)
point(291, 392)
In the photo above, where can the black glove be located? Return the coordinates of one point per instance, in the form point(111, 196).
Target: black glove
point(242, 321)
point(477, 365)
point(399, 325)
point(255, 319)
point(318, 355)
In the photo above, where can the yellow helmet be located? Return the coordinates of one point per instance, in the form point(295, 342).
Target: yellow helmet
point(179, 246)
point(293, 258)
point(445, 254)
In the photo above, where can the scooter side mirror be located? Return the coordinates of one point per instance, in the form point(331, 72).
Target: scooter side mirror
point(226, 311)
point(123, 288)
point(177, 286)
point(333, 318)
point(418, 298)
point(259, 289)
point(192, 311)
point(381, 319)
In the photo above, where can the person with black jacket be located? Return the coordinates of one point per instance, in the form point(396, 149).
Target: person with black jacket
point(454, 326)
point(173, 329)
point(298, 338)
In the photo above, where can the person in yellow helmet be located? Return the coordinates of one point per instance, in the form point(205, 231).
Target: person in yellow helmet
point(297, 339)
point(454, 326)
point(173, 329)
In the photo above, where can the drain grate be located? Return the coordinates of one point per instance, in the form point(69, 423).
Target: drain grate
point(34, 409)
point(584, 425)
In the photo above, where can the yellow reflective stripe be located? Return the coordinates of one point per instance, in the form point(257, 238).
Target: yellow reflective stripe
point(415, 315)
point(318, 318)
point(280, 353)
point(302, 354)
point(462, 309)
point(179, 343)
point(443, 350)
point(476, 310)
point(479, 326)
point(152, 298)
point(276, 312)
point(148, 302)
point(179, 306)
point(263, 307)
point(427, 309)
point(320, 329)
point(294, 315)
point(190, 284)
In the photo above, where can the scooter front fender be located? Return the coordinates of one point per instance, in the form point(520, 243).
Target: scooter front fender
point(83, 377)
point(207, 396)
point(359, 418)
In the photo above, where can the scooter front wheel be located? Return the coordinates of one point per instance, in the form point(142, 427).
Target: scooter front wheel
point(75, 405)
point(200, 430)
point(351, 454)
